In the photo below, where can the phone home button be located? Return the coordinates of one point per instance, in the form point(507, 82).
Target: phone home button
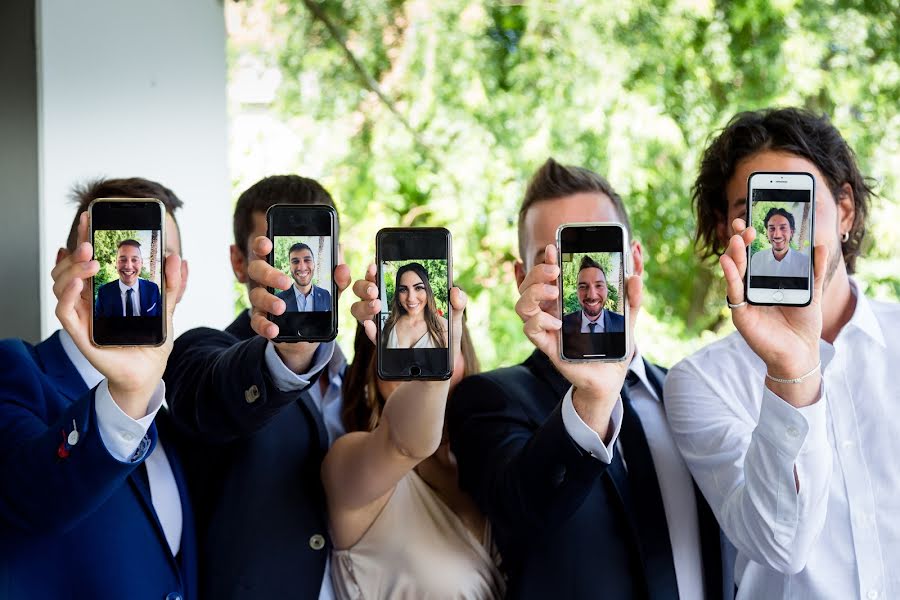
point(415, 370)
point(777, 297)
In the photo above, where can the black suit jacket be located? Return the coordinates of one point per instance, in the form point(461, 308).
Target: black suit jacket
point(254, 468)
point(561, 526)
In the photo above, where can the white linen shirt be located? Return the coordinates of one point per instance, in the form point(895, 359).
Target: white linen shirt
point(793, 264)
point(839, 535)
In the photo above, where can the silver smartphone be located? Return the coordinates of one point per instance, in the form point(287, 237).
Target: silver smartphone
point(592, 302)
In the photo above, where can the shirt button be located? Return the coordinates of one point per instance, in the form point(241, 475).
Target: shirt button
point(793, 431)
point(174, 596)
point(872, 594)
point(316, 542)
point(127, 436)
point(848, 444)
point(251, 394)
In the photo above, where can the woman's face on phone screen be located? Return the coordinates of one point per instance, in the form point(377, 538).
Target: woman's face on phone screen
point(411, 293)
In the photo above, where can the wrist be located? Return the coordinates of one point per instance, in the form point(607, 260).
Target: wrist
point(133, 398)
point(595, 409)
point(296, 356)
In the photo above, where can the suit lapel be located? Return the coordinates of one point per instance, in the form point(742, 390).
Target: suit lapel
point(54, 362)
point(546, 372)
point(315, 414)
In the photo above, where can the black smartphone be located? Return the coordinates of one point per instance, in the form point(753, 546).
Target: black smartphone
point(415, 274)
point(592, 302)
point(128, 236)
point(782, 208)
point(304, 242)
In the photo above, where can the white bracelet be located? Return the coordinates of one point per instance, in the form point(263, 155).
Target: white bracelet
point(796, 379)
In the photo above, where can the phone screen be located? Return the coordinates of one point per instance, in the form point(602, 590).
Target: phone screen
point(304, 241)
point(415, 277)
point(780, 256)
point(593, 305)
point(128, 290)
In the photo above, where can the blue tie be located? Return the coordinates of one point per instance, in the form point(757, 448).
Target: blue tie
point(129, 303)
point(592, 326)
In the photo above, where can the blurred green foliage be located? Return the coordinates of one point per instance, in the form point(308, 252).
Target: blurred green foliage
point(422, 113)
point(570, 281)
point(437, 279)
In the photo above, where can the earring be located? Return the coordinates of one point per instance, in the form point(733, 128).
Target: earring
point(845, 237)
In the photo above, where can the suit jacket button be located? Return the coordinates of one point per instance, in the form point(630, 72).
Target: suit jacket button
point(174, 596)
point(316, 542)
point(251, 394)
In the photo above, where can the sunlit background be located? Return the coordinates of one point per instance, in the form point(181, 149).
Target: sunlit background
point(426, 113)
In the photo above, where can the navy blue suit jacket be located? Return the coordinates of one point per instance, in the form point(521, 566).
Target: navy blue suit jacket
point(109, 299)
point(321, 299)
point(81, 525)
point(561, 526)
point(613, 322)
point(255, 467)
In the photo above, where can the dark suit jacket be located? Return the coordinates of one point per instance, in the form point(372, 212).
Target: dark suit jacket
point(561, 527)
point(321, 299)
point(109, 299)
point(80, 524)
point(256, 467)
point(613, 322)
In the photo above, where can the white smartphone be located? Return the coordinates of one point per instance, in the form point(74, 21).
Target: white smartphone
point(592, 302)
point(782, 208)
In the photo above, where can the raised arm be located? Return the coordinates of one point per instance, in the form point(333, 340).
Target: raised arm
point(363, 467)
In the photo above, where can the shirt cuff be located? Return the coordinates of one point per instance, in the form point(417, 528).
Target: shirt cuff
point(587, 438)
point(793, 430)
point(121, 434)
point(288, 381)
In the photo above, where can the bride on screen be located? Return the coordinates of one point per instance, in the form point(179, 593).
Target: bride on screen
point(414, 321)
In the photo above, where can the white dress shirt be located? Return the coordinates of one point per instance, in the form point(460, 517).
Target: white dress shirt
point(304, 301)
point(121, 435)
point(329, 404)
point(793, 264)
point(135, 297)
point(586, 323)
point(839, 535)
point(675, 484)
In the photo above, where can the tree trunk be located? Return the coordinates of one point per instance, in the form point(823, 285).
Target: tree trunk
point(154, 252)
point(319, 262)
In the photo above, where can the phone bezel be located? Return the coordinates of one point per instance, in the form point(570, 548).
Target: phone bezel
point(298, 318)
point(626, 266)
point(416, 356)
point(781, 180)
point(162, 329)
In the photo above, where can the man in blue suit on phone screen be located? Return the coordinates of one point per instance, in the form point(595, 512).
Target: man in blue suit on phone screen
point(129, 296)
point(593, 291)
point(93, 502)
point(304, 296)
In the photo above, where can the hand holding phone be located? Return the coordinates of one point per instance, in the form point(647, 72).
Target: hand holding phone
point(786, 338)
point(133, 372)
point(597, 384)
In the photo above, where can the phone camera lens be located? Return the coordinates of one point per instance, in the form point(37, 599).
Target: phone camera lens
point(415, 371)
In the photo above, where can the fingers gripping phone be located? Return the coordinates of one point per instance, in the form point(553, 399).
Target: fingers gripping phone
point(781, 206)
point(592, 302)
point(415, 274)
point(304, 247)
point(129, 299)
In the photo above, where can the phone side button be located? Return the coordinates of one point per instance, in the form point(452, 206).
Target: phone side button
point(777, 297)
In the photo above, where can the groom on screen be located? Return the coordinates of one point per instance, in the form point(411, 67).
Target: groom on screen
point(129, 296)
point(303, 296)
point(593, 291)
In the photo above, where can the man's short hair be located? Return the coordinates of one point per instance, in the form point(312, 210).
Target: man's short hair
point(277, 189)
point(792, 130)
point(134, 243)
point(589, 263)
point(779, 211)
point(301, 246)
point(131, 187)
point(554, 180)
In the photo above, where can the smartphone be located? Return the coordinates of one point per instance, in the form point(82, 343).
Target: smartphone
point(129, 300)
point(415, 274)
point(780, 260)
point(592, 302)
point(304, 242)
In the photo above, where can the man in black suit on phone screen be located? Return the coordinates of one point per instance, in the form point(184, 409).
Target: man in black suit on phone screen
point(261, 416)
point(573, 463)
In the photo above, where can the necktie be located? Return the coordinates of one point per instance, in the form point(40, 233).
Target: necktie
point(646, 503)
point(592, 327)
point(129, 302)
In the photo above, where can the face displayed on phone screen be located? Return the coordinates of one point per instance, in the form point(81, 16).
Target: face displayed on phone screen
point(780, 254)
point(307, 260)
point(593, 303)
point(128, 282)
point(414, 313)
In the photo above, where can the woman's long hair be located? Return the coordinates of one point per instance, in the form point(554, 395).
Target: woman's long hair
point(432, 319)
point(362, 400)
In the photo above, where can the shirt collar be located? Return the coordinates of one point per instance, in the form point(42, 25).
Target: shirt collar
point(297, 291)
point(91, 376)
point(638, 368)
point(864, 318)
point(125, 288)
point(585, 320)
